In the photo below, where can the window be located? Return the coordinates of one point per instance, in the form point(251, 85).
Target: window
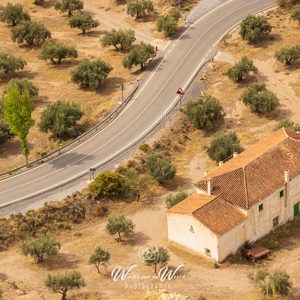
point(192, 229)
point(281, 193)
point(261, 207)
point(275, 221)
point(207, 251)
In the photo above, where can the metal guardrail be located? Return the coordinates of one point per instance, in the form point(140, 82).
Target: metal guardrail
point(102, 124)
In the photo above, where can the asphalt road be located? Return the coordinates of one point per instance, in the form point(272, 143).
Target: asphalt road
point(155, 97)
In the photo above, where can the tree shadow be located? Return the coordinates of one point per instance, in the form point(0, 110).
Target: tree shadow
point(10, 147)
point(148, 18)
point(47, 4)
point(26, 74)
point(270, 40)
point(63, 261)
point(92, 33)
point(110, 85)
point(138, 238)
point(65, 64)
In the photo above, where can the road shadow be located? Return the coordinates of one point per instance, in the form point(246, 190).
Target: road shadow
point(70, 159)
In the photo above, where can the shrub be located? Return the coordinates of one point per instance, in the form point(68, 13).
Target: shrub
point(61, 283)
point(91, 74)
point(10, 64)
point(296, 14)
point(61, 119)
point(161, 169)
point(260, 99)
point(120, 39)
point(57, 51)
point(108, 184)
point(83, 21)
point(168, 24)
point(255, 28)
point(32, 33)
point(23, 84)
point(144, 147)
point(205, 113)
point(5, 133)
point(286, 55)
point(287, 123)
point(241, 69)
point(69, 5)
point(154, 256)
point(139, 8)
point(99, 257)
point(120, 225)
point(172, 200)
point(41, 246)
point(139, 55)
point(287, 3)
point(13, 14)
point(223, 146)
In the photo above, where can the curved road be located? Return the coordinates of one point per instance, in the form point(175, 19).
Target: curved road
point(155, 97)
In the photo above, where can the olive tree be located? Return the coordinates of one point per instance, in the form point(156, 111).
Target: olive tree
point(61, 283)
point(255, 28)
point(241, 69)
point(13, 14)
point(155, 256)
point(57, 51)
point(172, 200)
point(168, 24)
point(91, 74)
point(41, 246)
point(99, 257)
point(23, 84)
point(286, 55)
point(5, 133)
point(33, 33)
point(83, 21)
point(120, 225)
point(205, 112)
point(120, 39)
point(69, 5)
point(139, 55)
point(287, 123)
point(9, 64)
point(139, 8)
point(161, 169)
point(296, 14)
point(60, 118)
point(18, 107)
point(223, 146)
point(259, 99)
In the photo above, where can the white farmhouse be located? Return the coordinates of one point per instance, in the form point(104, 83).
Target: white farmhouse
point(242, 200)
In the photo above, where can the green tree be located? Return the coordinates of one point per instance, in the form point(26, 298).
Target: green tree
point(120, 225)
point(108, 184)
point(91, 74)
point(83, 21)
point(10, 64)
point(13, 14)
point(120, 39)
point(18, 106)
point(255, 28)
point(223, 146)
point(61, 283)
point(205, 112)
point(281, 282)
point(61, 119)
point(296, 14)
point(139, 8)
point(23, 84)
point(41, 246)
point(287, 123)
point(139, 55)
point(161, 169)
point(259, 99)
point(33, 33)
point(57, 51)
point(154, 256)
point(5, 133)
point(172, 200)
point(286, 55)
point(69, 5)
point(99, 257)
point(168, 24)
point(241, 69)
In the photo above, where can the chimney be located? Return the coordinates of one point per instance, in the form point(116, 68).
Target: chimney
point(235, 154)
point(209, 186)
point(220, 163)
point(286, 176)
point(205, 173)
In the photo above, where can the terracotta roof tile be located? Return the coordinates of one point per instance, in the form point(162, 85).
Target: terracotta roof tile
point(220, 216)
point(191, 204)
